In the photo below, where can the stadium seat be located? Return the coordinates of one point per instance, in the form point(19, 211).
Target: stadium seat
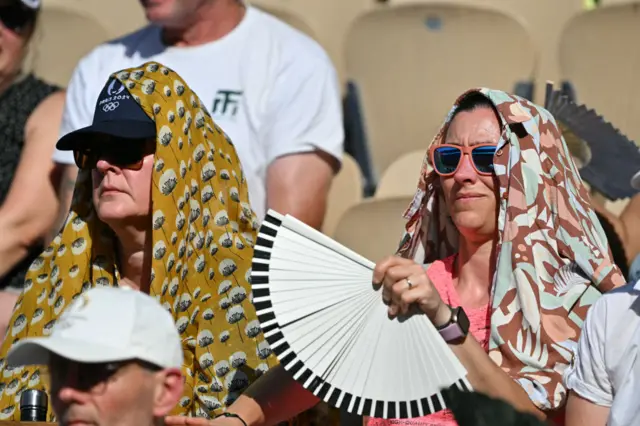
point(409, 63)
point(64, 35)
point(373, 228)
point(400, 179)
point(599, 58)
point(69, 29)
point(346, 191)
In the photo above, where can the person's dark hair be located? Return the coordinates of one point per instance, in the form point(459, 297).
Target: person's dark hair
point(615, 244)
point(473, 101)
point(20, 18)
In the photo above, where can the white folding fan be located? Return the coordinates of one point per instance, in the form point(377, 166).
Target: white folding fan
point(327, 324)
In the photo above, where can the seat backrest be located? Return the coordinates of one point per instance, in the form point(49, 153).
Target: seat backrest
point(63, 37)
point(373, 228)
point(410, 62)
point(400, 179)
point(598, 55)
point(346, 191)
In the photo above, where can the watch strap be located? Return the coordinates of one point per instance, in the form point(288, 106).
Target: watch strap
point(451, 332)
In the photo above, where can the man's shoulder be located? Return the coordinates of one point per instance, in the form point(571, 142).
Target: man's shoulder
point(615, 303)
point(124, 46)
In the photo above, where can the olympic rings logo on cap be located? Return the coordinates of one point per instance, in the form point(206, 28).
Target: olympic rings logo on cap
point(111, 106)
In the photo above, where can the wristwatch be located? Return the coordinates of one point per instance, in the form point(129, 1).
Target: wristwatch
point(457, 327)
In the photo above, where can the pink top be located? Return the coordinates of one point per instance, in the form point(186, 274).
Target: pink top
point(441, 275)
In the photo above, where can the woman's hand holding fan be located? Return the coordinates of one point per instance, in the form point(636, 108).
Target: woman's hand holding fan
point(327, 323)
point(406, 283)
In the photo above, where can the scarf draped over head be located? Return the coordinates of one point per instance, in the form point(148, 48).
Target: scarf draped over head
point(203, 231)
point(553, 260)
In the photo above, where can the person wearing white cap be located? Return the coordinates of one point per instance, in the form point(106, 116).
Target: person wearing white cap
point(30, 115)
point(124, 372)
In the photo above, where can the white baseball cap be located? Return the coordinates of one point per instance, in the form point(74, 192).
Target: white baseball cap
point(635, 181)
point(107, 324)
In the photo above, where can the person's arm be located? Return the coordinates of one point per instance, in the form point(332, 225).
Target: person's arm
point(29, 209)
point(274, 398)
point(486, 377)
point(299, 185)
point(582, 412)
point(304, 138)
point(483, 374)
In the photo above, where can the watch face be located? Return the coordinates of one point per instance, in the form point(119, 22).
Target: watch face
point(462, 319)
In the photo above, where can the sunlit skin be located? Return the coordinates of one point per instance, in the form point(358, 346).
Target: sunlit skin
point(471, 198)
point(119, 394)
point(170, 13)
point(122, 195)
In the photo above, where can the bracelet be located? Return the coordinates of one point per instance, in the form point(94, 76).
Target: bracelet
point(232, 415)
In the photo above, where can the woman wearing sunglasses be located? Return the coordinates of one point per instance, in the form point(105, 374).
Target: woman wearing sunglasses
point(516, 254)
point(30, 114)
point(160, 206)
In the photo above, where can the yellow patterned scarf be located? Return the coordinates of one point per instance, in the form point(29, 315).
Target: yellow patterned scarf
point(203, 234)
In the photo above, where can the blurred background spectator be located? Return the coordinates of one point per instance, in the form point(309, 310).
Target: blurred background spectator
point(30, 111)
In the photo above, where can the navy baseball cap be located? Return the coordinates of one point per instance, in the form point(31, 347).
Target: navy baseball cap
point(117, 115)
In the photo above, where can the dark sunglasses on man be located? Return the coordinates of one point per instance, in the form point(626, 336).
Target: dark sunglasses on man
point(18, 15)
point(90, 376)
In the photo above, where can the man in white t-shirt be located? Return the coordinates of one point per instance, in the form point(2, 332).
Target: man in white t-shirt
point(271, 88)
